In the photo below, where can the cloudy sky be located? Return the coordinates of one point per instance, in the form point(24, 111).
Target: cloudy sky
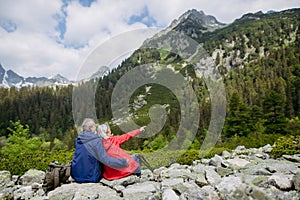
point(47, 37)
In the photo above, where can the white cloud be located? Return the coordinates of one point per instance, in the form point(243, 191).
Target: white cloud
point(32, 48)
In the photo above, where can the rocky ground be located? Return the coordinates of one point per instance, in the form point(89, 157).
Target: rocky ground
point(240, 174)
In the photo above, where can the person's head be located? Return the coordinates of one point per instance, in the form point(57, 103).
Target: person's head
point(88, 125)
point(104, 131)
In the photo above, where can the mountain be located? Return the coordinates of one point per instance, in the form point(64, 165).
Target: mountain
point(193, 23)
point(11, 79)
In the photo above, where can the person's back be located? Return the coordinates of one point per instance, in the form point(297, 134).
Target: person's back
point(89, 154)
point(85, 167)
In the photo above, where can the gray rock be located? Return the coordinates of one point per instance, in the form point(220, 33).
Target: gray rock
point(147, 175)
point(224, 171)
point(241, 150)
point(178, 173)
point(226, 154)
point(23, 193)
point(7, 193)
point(186, 187)
point(169, 194)
point(210, 193)
point(262, 172)
point(281, 181)
point(267, 148)
point(292, 158)
point(296, 181)
point(238, 163)
point(216, 161)
point(141, 190)
point(129, 180)
point(257, 193)
point(229, 184)
point(212, 177)
point(83, 191)
point(170, 183)
point(200, 174)
point(32, 176)
point(5, 178)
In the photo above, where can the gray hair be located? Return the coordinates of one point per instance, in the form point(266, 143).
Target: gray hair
point(87, 123)
point(102, 130)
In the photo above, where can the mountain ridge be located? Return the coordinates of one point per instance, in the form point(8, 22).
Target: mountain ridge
point(9, 78)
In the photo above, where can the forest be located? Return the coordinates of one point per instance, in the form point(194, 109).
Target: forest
point(259, 61)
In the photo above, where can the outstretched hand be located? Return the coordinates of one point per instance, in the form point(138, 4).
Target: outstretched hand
point(142, 129)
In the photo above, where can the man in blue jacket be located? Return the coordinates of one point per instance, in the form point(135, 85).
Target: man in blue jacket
point(90, 155)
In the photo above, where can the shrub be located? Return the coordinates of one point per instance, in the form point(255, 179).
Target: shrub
point(288, 145)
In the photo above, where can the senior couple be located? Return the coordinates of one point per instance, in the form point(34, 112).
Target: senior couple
point(98, 154)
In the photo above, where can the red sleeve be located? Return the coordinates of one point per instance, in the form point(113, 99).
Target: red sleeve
point(119, 139)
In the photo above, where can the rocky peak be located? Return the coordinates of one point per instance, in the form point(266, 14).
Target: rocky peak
point(60, 79)
point(196, 17)
point(192, 23)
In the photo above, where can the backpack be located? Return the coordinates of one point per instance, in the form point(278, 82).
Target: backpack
point(56, 174)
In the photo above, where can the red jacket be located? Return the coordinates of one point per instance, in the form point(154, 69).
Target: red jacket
point(113, 149)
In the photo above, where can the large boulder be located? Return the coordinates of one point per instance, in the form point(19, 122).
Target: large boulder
point(32, 176)
point(83, 191)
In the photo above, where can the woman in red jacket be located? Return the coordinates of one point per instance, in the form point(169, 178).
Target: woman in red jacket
point(112, 144)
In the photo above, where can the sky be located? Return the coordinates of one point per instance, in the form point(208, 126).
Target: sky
point(48, 37)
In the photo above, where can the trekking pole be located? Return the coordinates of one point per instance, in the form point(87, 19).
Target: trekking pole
point(145, 162)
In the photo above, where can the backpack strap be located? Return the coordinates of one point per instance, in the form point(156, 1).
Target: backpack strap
point(68, 170)
point(56, 177)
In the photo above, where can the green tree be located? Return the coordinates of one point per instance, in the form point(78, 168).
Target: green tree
point(273, 106)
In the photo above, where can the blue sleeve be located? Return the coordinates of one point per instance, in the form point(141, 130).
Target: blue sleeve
point(101, 155)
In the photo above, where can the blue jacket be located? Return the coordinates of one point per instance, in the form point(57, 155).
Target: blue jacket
point(89, 154)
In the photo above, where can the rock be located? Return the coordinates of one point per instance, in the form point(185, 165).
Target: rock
point(147, 175)
point(271, 169)
point(281, 181)
point(224, 171)
point(129, 180)
point(267, 148)
point(241, 150)
point(7, 193)
point(216, 161)
point(237, 162)
point(141, 190)
point(200, 174)
point(257, 193)
point(24, 193)
point(229, 184)
point(296, 181)
point(77, 191)
point(262, 156)
point(209, 193)
point(262, 172)
point(177, 173)
point(5, 178)
point(170, 183)
point(249, 175)
point(293, 158)
point(212, 177)
point(32, 176)
point(169, 194)
point(226, 154)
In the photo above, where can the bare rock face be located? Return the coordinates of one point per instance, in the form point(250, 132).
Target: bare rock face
point(240, 174)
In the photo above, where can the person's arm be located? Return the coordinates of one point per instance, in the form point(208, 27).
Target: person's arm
point(119, 139)
point(101, 155)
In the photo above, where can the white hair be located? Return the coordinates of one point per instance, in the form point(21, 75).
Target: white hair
point(87, 123)
point(102, 131)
